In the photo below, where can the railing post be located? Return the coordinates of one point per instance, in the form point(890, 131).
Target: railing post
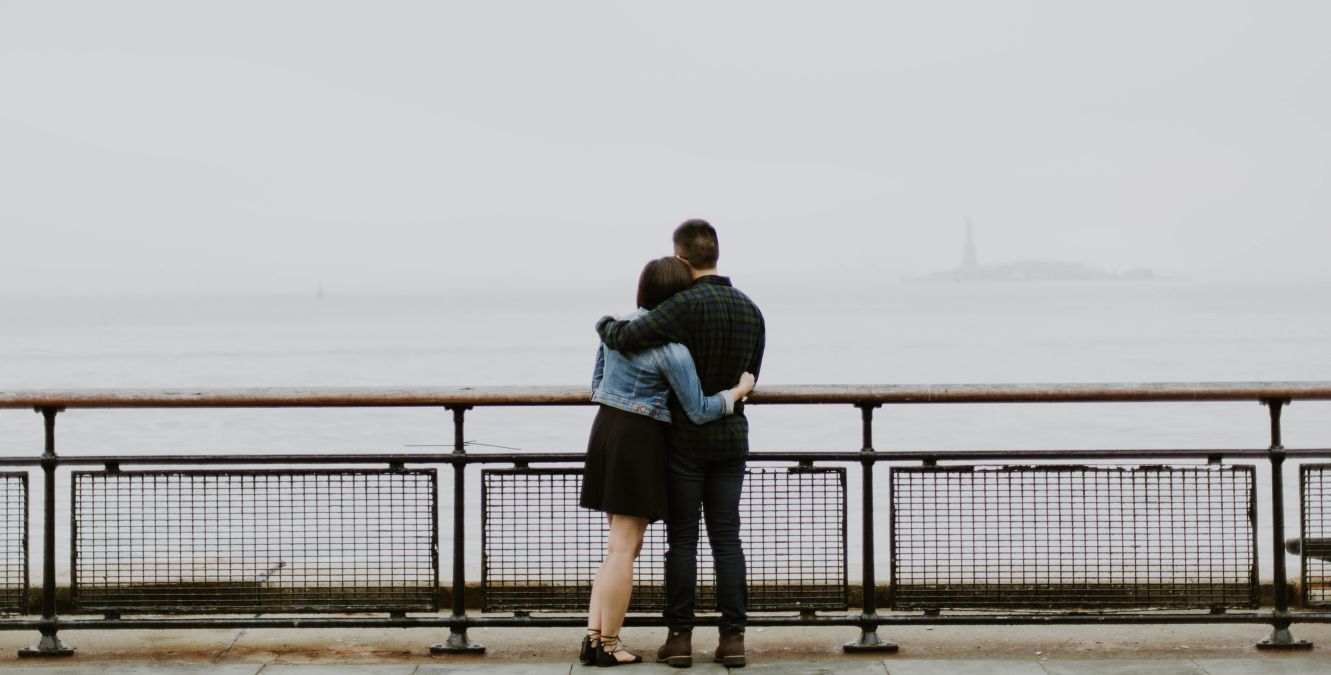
point(457, 635)
point(50, 644)
point(1280, 637)
point(868, 640)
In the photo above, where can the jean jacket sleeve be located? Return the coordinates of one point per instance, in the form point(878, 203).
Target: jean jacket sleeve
point(599, 371)
point(676, 363)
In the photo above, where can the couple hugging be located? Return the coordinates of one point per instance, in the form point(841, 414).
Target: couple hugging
point(670, 439)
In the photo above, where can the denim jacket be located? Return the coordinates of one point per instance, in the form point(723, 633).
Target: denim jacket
point(641, 382)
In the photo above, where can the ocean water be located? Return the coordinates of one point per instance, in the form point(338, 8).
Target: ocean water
point(818, 332)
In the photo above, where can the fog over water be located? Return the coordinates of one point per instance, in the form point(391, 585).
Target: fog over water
point(412, 146)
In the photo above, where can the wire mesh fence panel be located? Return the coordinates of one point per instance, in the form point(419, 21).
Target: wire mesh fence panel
point(794, 534)
point(1315, 496)
point(13, 542)
point(254, 541)
point(541, 550)
point(1073, 537)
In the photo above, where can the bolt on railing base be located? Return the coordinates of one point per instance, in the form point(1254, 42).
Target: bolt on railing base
point(49, 646)
point(458, 644)
point(1282, 640)
point(870, 642)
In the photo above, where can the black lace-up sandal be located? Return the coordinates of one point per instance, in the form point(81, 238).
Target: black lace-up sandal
point(591, 643)
point(610, 645)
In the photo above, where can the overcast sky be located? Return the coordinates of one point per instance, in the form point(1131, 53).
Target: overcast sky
point(277, 146)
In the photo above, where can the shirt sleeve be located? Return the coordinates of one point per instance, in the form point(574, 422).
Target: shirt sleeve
point(657, 327)
point(676, 363)
point(757, 363)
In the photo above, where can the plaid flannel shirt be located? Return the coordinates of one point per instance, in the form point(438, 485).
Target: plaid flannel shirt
point(725, 333)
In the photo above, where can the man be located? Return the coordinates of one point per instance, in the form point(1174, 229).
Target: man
point(725, 332)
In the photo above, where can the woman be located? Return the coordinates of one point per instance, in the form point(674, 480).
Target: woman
point(626, 457)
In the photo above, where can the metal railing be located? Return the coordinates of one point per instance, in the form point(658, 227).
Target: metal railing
point(975, 537)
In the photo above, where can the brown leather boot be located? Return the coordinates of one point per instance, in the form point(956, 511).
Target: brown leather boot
point(730, 651)
point(677, 652)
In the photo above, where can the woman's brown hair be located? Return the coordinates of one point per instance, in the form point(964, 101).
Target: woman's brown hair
point(660, 279)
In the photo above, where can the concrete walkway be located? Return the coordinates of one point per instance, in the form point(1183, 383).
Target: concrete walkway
point(973, 650)
point(1256, 666)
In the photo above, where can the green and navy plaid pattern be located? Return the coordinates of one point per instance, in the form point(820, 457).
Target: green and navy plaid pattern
point(725, 332)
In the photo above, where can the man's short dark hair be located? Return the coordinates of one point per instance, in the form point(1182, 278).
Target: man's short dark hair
point(695, 241)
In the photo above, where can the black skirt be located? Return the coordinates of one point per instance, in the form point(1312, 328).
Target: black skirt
point(626, 465)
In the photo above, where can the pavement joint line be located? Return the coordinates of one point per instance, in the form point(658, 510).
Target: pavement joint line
point(227, 649)
point(1191, 662)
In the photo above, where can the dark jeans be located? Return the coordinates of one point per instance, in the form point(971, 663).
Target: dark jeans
point(715, 486)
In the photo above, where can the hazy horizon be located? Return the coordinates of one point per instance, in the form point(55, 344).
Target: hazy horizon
point(243, 147)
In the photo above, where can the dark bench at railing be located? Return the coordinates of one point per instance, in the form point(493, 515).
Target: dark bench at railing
point(207, 540)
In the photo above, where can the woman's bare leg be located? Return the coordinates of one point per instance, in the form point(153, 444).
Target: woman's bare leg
point(614, 581)
point(594, 607)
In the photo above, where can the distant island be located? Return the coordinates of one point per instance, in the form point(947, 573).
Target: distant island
point(1030, 270)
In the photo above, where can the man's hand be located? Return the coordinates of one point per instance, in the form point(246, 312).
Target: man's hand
point(746, 382)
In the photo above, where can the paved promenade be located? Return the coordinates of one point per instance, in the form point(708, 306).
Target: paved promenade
point(1282, 666)
point(979, 650)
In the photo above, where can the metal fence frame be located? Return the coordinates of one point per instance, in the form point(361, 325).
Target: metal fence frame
point(1314, 547)
point(1274, 395)
point(567, 589)
point(19, 590)
point(1030, 548)
point(254, 595)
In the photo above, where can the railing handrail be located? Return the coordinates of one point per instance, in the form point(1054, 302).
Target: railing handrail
point(297, 397)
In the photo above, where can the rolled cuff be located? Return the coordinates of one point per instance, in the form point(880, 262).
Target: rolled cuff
point(730, 401)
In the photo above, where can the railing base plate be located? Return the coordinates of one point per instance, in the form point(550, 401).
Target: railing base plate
point(1282, 640)
point(50, 646)
point(870, 642)
point(458, 644)
point(1267, 645)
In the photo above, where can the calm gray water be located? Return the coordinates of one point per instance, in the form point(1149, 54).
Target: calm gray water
point(897, 332)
